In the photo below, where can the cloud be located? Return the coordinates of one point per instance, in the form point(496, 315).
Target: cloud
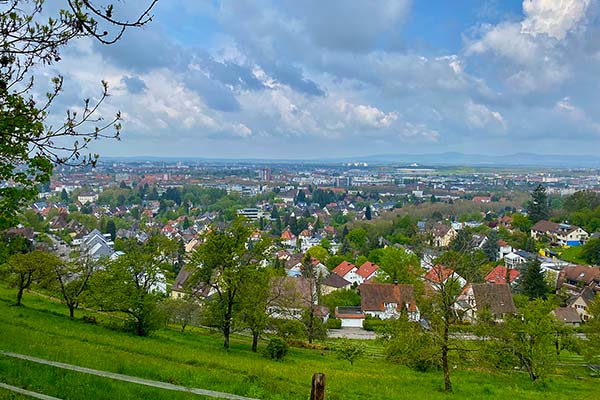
point(553, 18)
point(134, 84)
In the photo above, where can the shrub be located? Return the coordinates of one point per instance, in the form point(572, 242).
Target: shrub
point(374, 324)
point(277, 348)
point(334, 323)
point(349, 351)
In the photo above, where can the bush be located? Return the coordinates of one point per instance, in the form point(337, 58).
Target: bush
point(277, 348)
point(334, 323)
point(286, 328)
point(350, 351)
point(374, 324)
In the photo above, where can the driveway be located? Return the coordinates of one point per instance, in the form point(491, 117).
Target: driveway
point(351, 333)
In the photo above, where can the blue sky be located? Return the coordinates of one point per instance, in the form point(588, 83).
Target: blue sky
point(308, 78)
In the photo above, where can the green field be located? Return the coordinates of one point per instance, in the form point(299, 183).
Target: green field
point(42, 329)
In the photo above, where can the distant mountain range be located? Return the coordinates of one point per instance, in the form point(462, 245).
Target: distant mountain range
point(439, 159)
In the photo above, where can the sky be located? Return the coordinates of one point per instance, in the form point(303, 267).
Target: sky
point(308, 79)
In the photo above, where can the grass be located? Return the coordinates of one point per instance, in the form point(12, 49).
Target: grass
point(573, 254)
point(42, 329)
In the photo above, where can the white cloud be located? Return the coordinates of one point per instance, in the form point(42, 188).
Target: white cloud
point(478, 116)
point(555, 18)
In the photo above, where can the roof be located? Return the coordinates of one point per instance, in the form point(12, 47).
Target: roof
point(498, 275)
point(495, 296)
point(441, 229)
point(567, 315)
point(439, 274)
point(349, 312)
point(374, 296)
point(587, 295)
point(579, 273)
point(367, 269)
point(343, 268)
point(336, 281)
point(181, 279)
point(545, 226)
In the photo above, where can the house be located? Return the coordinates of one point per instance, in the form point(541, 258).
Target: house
point(96, 245)
point(85, 198)
point(288, 238)
point(180, 289)
point(581, 302)
point(500, 273)
point(367, 271)
point(442, 235)
point(562, 234)
point(347, 271)
point(291, 297)
point(493, 297)
point(567, 315)
point(574, 278)
point(504, 249)
point(388, 300)
point(439, 275)
point(334, 282)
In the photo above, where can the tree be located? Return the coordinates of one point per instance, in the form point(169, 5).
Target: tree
point(224, 263)
point(462, 242)
point(318, 253)
point(112, 229)
point(592, 332)
point(131, 284)
point(349, 350)
point(183, 311)
point(72, 279)
point(368, 213)
point(533, 284)
point(491, 248)
point(64, 196)
point(523, 340)
point(590, 251)
point(23, 270)
point(29, 148)
point(400, 265)
point(254, 300)
point(537, 207)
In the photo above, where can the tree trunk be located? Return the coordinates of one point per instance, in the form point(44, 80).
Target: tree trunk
point(227, 326)
point(19, 295)
point(254, 341)
point(71, 311)
point(140, 328)
point(447, 382)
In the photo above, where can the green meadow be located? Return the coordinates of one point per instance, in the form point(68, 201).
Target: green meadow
point(41, 328)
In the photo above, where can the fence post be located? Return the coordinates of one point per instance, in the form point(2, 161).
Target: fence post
point(318, 387)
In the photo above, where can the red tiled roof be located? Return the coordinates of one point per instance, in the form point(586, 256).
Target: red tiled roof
point(438, 274)
point(367, 269)
point(498, 275)
point(343, 268)
point(287, 235)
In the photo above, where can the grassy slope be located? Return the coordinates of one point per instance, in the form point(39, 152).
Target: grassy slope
point(42, 329)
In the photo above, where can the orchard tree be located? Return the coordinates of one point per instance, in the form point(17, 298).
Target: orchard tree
point(131, 284)
point(224, 261)
point(23, 270)
point(72, 280)
point(32, 40)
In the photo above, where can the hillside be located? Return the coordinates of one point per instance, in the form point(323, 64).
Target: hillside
point(42, 329)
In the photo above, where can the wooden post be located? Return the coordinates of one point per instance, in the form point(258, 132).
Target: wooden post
point(318, 387)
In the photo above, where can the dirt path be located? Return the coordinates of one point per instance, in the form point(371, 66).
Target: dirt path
point(125, 378)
